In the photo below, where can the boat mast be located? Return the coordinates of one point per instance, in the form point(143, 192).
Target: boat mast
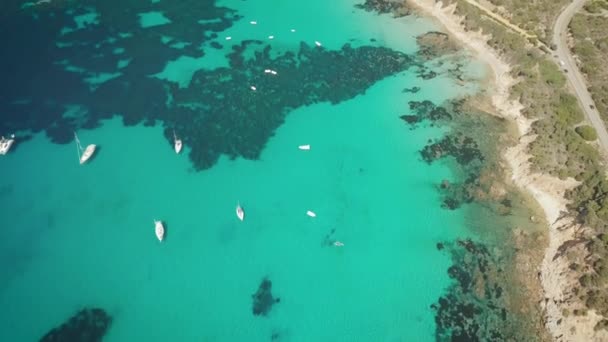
point(78, 146)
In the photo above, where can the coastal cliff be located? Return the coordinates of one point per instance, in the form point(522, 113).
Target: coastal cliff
point(563, 310)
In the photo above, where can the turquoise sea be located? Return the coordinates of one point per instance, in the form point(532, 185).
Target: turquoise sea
point(82, 236)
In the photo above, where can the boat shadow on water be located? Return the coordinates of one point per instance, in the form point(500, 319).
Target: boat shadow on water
point(166, 230)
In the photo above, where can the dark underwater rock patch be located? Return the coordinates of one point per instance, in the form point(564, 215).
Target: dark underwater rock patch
point(398, 8)
point(237, 121)
point(88, 325)
point(412, 90)
point(464, 149)
point(426, 74)
point(426, 110)
point(263, 299)
point(472, 309)
point(434, 44)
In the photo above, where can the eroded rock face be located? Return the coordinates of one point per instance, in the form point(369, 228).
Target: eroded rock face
point(263, 299)
point(88, 325)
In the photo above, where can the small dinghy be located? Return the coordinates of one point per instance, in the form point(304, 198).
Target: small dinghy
point(239, 212)
point(5, 144)
point(87, 153)
point(159, 229)
point(311, 213)
point(317, 43)
point(177, 143)
point(304, 147)
point(338, 244)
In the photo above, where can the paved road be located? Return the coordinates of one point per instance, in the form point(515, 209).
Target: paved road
point(575, 79)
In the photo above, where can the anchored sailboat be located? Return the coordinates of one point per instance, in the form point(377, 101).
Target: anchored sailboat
point(159, 229)
point(87, 153)
point(239, 212)
point(5, 144)
point(177, 143)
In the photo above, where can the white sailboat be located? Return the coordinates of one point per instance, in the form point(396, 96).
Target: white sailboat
point(159, 229)
point(240, 213)
point(5, 144)
point(87, 153)
point(177, 143)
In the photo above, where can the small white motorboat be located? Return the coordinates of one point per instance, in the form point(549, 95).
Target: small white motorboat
point(253, 88)
point(253, 22)
point(5, 144)
point(270, 37)
point(267, 71)
point(338, 244)
point(293, 30)
point(228, 38)
point(87, 153)
point(311, 213)
point(240, 213)
point(159, 229)
point(273, 72)
point(177, 143)
point(317, 43)
point(304, 147)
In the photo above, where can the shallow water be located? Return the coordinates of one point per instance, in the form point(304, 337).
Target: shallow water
point(79, 236)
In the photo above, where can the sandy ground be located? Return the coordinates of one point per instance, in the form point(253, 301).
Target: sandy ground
point(548, 191)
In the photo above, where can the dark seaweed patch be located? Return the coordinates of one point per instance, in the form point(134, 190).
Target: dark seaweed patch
point(263, 299)
point(398, 8)
point(471, 310)
point(426, 110)
point(412, 90)
point(216, 114)
point(462, 148)
point(88, 325)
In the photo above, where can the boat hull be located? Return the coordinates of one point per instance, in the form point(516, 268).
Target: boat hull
point(159, 230)
point(178, 146)
point(304, 147)
point(240, 213)
point(5, 145)
point(88, 153)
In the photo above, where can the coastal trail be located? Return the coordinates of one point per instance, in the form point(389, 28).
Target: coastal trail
point(573, 74)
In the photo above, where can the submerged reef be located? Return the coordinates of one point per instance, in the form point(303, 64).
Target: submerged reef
point(88, 325)
point(237, 121)
point(103, 67)
point(477, 306)
point(462, 148)
point(471, 310)
point(263, 299)
point(425, 111)
point(434, 44)
point(397, 8)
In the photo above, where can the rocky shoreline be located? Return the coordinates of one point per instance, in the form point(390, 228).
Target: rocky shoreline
point(558, 302)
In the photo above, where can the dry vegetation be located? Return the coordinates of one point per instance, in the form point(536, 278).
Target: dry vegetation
point(534, 16)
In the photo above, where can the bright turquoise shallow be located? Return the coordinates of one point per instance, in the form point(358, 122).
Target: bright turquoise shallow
point(77, 236)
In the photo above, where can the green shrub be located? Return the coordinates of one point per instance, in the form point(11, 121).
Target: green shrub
point(586, 132)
